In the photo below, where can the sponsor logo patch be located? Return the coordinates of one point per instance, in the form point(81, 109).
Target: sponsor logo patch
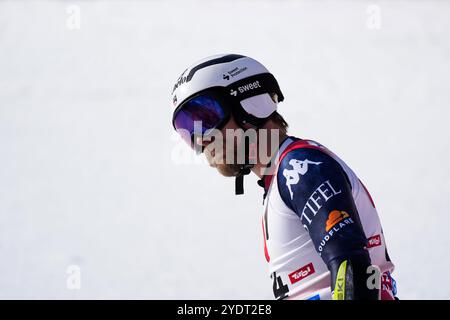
point(334, 217)
point(301, 273)
point(317, 200)
point(374, 241)
point(337, 220)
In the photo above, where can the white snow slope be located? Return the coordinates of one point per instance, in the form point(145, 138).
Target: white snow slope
point(92, 175)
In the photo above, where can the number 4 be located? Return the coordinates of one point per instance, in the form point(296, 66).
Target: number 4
point(280, 289)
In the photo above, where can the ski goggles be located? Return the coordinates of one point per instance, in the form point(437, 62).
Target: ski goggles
point(200, 114)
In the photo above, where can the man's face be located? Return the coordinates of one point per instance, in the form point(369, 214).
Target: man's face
point(217, 157)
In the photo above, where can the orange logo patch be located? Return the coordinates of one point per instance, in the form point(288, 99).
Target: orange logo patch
point(334, 217)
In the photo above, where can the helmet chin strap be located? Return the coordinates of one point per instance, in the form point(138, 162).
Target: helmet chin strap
point(243, 171)
point(239, 183)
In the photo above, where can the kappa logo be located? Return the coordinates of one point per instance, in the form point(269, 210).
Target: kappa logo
point(334, 217)
point(300, 168)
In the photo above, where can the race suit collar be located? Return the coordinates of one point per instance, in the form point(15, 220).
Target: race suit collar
point(266, 179)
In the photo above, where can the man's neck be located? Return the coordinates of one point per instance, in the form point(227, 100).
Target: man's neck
point(261, 169)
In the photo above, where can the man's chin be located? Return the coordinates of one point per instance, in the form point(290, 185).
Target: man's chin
point(227, 170)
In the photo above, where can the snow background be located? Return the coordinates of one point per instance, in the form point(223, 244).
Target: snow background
point(90, 169)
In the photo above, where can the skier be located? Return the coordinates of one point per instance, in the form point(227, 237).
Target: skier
point(322, 234)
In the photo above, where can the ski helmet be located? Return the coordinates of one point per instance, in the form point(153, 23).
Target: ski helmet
point(216, 87)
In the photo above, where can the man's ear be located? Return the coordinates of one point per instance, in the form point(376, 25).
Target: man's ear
point(274, 97)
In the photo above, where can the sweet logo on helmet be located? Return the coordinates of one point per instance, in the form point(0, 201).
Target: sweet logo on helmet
point(317, 200)
point(301, 273)
point(249, 86)
point(246, 87)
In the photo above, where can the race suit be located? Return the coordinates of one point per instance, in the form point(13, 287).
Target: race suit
point(322, 235)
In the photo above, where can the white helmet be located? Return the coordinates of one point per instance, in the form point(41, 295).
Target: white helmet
point(244, 82)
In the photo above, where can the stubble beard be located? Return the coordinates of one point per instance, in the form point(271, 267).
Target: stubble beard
point(218, 161)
